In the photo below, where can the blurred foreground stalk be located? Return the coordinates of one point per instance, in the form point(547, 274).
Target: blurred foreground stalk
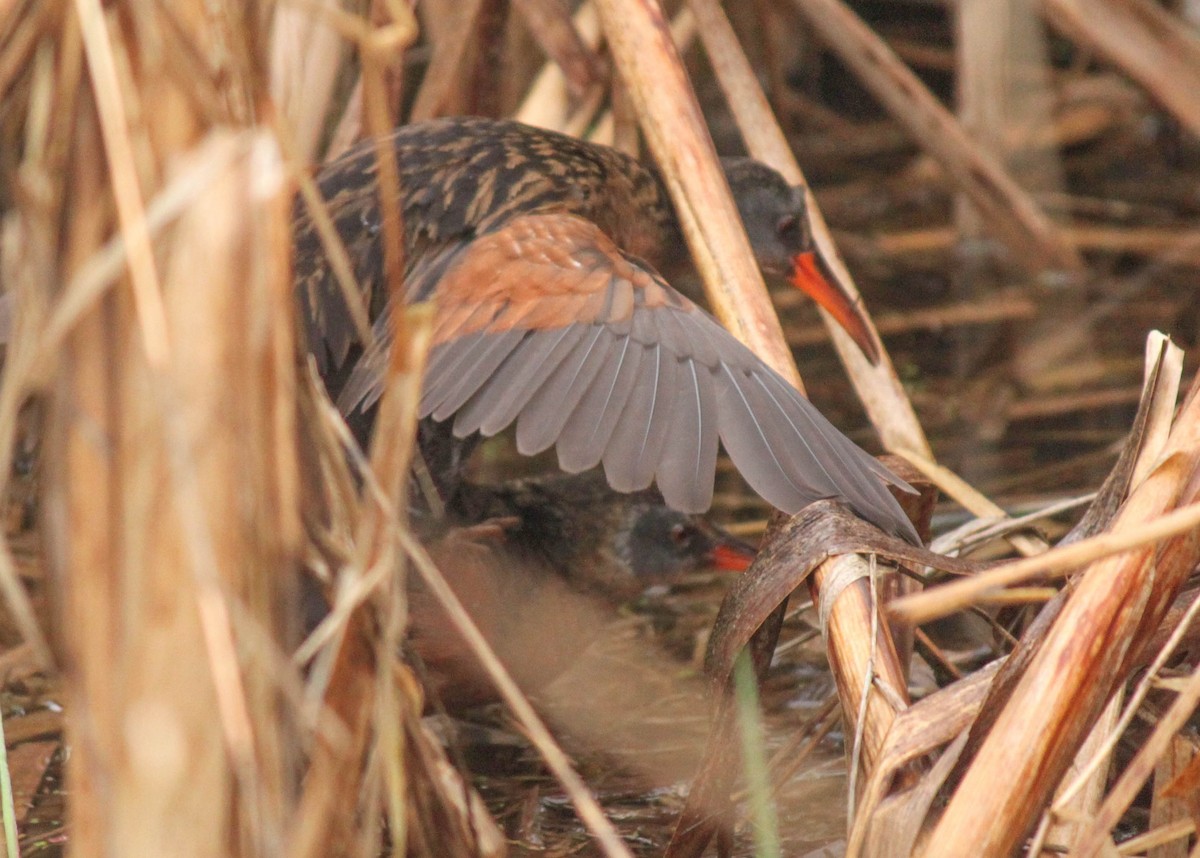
point(149, 202)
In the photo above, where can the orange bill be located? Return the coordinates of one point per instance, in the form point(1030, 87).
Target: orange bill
point(732, 557)
point(810, 274)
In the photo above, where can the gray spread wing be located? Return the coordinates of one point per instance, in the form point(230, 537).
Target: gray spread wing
point(547, 324)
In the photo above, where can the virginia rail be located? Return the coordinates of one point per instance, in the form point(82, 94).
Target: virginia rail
point(542, 253)
point(539, 565)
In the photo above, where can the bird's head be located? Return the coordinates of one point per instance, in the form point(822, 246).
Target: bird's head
point(606, 543)
point(661, 545)
point(775, 216)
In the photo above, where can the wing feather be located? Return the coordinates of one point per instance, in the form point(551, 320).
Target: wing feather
point(474, 376)
point(688, 464)
point(542, 420)
point(585, 435)
point(500, 400)
point(632, 456)
point(545, 322)
point(452, 382)
point(365, 383)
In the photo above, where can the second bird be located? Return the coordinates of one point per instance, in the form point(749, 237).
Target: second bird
point(543, 254)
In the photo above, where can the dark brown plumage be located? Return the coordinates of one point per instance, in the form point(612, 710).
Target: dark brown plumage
point(542, 253)
point(540, 564)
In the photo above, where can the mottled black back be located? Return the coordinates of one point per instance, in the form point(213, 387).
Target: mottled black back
point(460, 178)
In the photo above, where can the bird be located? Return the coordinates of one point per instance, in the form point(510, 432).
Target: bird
point(540, 563)
point(544, 255)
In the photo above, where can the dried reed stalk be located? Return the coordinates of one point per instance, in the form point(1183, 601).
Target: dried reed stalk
point(1005, 98)
point(546, 103)
point(453, 26)
point(921, 729)
point(983, 45)
point(868, 662)
point(551, 25)
point(1096, 833)
point(1149, 43)
point(1015, 217)
point(1168, 810)
point(172, 477)
point(362, 688)
point(1172, 242)
point(877, 386)
point(193, 538)
point(955, 487)
point(363, 660)
point(862, 656)
point(892, 825)
point(307, 54)
point(952, 597)
point(862, 653)
point(674, 128)
point(607, 129)
point(1082, 659)
point(361, 694)
point(1064, 823)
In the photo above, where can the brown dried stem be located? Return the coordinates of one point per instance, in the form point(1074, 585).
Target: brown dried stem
point(1010, 212)
point(861, 650)
point(878, 386)
point(1152, 45)
point(675, 131)
point(551, 25)
point(1081, 660)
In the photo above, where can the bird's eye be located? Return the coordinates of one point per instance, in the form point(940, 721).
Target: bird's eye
point(787, 224)
point(682, 534)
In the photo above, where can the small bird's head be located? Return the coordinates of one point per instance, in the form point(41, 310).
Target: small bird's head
point(775, 216)
point(661, 545)
point(602, 542)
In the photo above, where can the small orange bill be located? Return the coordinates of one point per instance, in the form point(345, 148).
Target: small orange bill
point(809, 275)
point(732, 557)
